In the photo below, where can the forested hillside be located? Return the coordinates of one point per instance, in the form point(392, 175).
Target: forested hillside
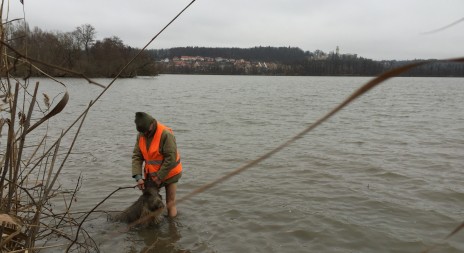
point(78, 51)
point(285, 61)
point(74, 52)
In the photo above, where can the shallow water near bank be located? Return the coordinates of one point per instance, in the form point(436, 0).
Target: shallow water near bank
point(383, 175)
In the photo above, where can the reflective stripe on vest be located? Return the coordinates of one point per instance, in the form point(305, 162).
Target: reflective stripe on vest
point(153, 158)
point(154, 162)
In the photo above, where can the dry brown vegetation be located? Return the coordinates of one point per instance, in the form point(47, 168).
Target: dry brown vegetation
point(29, 160)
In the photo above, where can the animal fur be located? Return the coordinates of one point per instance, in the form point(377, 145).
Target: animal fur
point(146, 210)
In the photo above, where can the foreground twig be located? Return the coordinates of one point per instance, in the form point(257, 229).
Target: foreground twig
point(456, 230)
point(91, 211)
point(445, 27)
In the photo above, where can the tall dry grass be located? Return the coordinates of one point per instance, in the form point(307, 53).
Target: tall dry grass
point(29, 160)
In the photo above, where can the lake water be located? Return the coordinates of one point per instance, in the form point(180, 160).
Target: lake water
point(384, 175)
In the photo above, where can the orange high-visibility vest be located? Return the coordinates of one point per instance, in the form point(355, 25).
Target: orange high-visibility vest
point(153, 158)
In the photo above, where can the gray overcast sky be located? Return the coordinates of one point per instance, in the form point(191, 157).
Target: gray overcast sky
point(377, 29)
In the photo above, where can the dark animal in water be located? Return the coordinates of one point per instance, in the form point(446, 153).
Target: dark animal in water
point(146, 210)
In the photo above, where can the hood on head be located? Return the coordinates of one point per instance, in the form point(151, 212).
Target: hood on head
point(143, 121)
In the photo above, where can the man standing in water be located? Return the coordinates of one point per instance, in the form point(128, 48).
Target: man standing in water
point(156, 146)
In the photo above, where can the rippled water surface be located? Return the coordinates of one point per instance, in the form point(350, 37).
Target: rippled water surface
point(383, 175)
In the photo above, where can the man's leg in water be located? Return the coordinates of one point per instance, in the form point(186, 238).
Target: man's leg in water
point(171, 199)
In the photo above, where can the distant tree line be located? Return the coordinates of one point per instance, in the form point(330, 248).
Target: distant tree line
point(78, 51)
point(294, 61)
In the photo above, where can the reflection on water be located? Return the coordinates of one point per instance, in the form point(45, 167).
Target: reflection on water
point(160, 238)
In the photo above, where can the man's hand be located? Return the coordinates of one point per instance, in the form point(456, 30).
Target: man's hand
point(141, 184)
point(157, 181)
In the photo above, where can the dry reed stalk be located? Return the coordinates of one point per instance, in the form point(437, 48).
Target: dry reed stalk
point(30, 205)
point(9, 149)
point(22, 140)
